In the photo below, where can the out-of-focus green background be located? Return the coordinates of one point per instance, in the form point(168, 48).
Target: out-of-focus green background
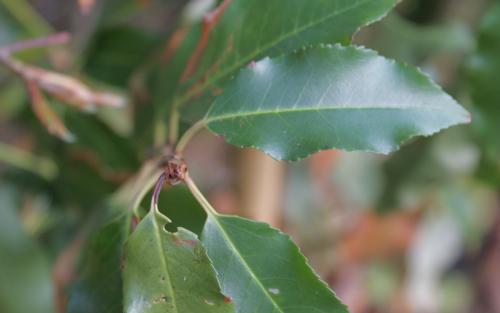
point(416, 232)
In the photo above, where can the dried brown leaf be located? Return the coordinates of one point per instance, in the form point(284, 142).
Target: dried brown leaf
point(46, 115)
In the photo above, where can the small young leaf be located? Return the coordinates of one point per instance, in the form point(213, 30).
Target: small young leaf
point(166, 272)
point(330, 97)
point(262, 270)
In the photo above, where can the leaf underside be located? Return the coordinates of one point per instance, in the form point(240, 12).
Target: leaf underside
point(330, 97)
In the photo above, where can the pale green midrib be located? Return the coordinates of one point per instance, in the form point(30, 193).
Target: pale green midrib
point(263, 48)
point(217, 118)
point(245, 264)
point(164, 260)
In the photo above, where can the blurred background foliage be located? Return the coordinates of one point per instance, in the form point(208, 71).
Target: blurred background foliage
point(418, 231)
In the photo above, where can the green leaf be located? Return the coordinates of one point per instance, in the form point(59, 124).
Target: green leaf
point(267, 28)
point(260, 268)
point(329, 97)
point(252, 29)
point(483, 70)
point(169, 272)
point(112, 59)
point(99, 288)
point(114, 150)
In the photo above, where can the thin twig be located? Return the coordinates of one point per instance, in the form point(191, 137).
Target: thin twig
point(199, 196)
point(55, 39)
point(156, 193)
point(187, 136)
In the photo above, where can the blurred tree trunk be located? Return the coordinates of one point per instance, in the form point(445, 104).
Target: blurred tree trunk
point(260, 186)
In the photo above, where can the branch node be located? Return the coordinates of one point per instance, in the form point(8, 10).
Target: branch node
point(174, 169)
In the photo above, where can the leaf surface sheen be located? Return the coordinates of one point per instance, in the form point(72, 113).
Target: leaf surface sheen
point(330, 97)
point(169, 272)
point(262, 270)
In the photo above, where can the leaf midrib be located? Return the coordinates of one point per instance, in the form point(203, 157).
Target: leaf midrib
point(217, 118)
point(161, 243)
point(263, 48)
point(244, 263)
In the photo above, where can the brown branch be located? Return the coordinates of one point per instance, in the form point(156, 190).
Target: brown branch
point(173, 44)
point(210, 20)
point(60, 86)
point(55, 39)
point(46, 115)
point(195, 89)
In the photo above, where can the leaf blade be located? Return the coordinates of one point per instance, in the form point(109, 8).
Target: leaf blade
point(98, 289)
point(283, 28)
point(283, 282)
point(330, 97)
point(167, 272)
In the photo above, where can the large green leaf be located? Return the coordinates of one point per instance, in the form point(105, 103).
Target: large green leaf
point(263, 270)
point(169, 272)
point(330, 97)
point(249, 30)
point(260, 268)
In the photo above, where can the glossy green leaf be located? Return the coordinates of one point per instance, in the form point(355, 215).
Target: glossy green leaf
point(260, 268)
point(249, 30)
point(169, 272)
point(329, 97)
